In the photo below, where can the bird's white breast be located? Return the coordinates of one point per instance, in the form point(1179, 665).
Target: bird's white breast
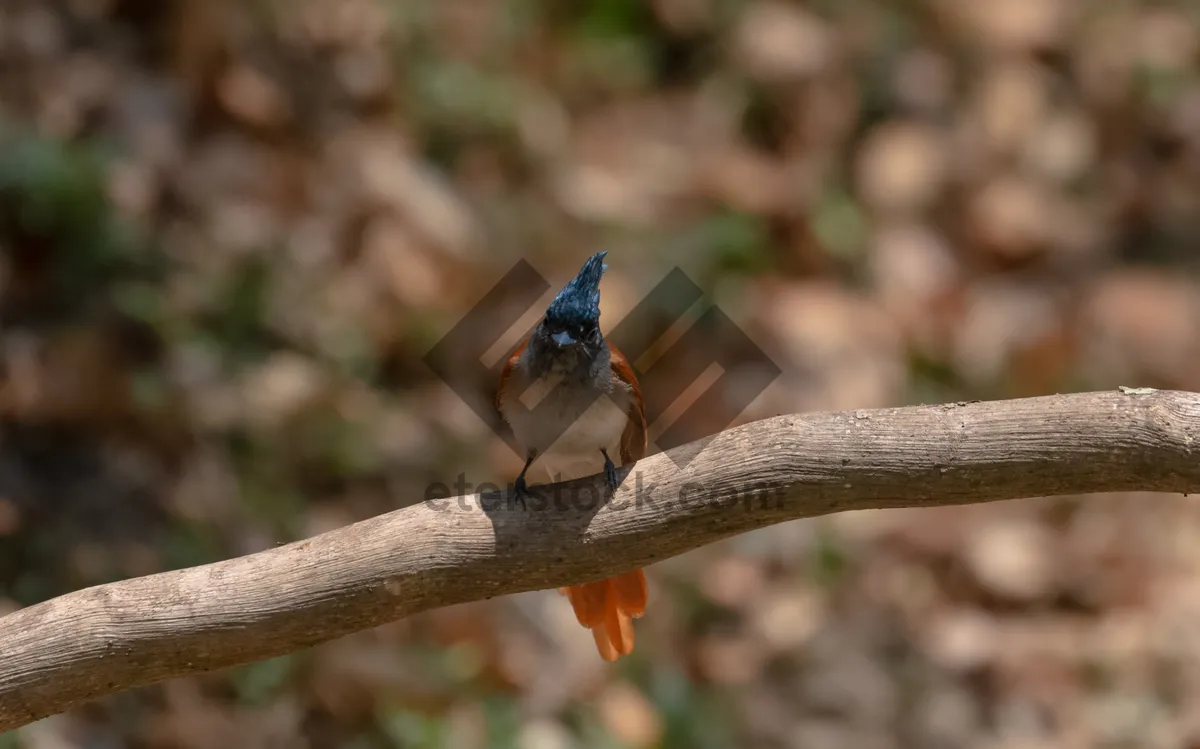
point(566, 449)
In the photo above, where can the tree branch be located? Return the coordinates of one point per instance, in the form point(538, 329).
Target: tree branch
point(113, 637)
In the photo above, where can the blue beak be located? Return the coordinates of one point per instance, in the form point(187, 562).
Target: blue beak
point(562, 339)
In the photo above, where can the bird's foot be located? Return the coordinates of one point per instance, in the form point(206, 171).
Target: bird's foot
point(521, 492)
point(610, 474)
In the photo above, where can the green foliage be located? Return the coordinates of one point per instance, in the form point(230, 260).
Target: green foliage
point(415, 730)
point(503, 722)
point(236, 316)
point(694, 718)
point(830, 560)
point(463, 97)
point(738, 242)
point(192, 544)
point(53, 199)
point(839, 224)
point(615, 19)
point(1162, 86)
point(257, 684)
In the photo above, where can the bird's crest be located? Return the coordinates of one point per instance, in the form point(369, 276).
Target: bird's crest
point(579, 300)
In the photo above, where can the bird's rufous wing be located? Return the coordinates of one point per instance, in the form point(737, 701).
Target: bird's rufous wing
point(506, 373)
point(634, 438)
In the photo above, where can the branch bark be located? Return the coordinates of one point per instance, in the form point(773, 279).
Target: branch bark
point(122, 635)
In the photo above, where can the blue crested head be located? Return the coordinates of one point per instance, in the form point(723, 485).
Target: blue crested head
point(574, 315)
point(579, 301)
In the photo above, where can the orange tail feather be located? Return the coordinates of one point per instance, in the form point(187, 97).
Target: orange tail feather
point(608, 608)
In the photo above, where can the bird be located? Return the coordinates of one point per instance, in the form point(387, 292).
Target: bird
point(589, 413)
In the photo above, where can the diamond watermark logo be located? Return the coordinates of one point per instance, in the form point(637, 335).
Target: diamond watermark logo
point(711, 341)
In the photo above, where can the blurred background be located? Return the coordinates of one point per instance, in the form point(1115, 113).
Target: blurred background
point(231, 231)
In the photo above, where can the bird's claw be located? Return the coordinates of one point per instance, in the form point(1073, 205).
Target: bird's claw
point(521, 492)
point(610, 474)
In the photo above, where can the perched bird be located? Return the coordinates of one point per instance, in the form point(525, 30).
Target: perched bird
point(588, 411)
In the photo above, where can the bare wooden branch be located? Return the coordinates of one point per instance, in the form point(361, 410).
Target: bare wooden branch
point(113, 637)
